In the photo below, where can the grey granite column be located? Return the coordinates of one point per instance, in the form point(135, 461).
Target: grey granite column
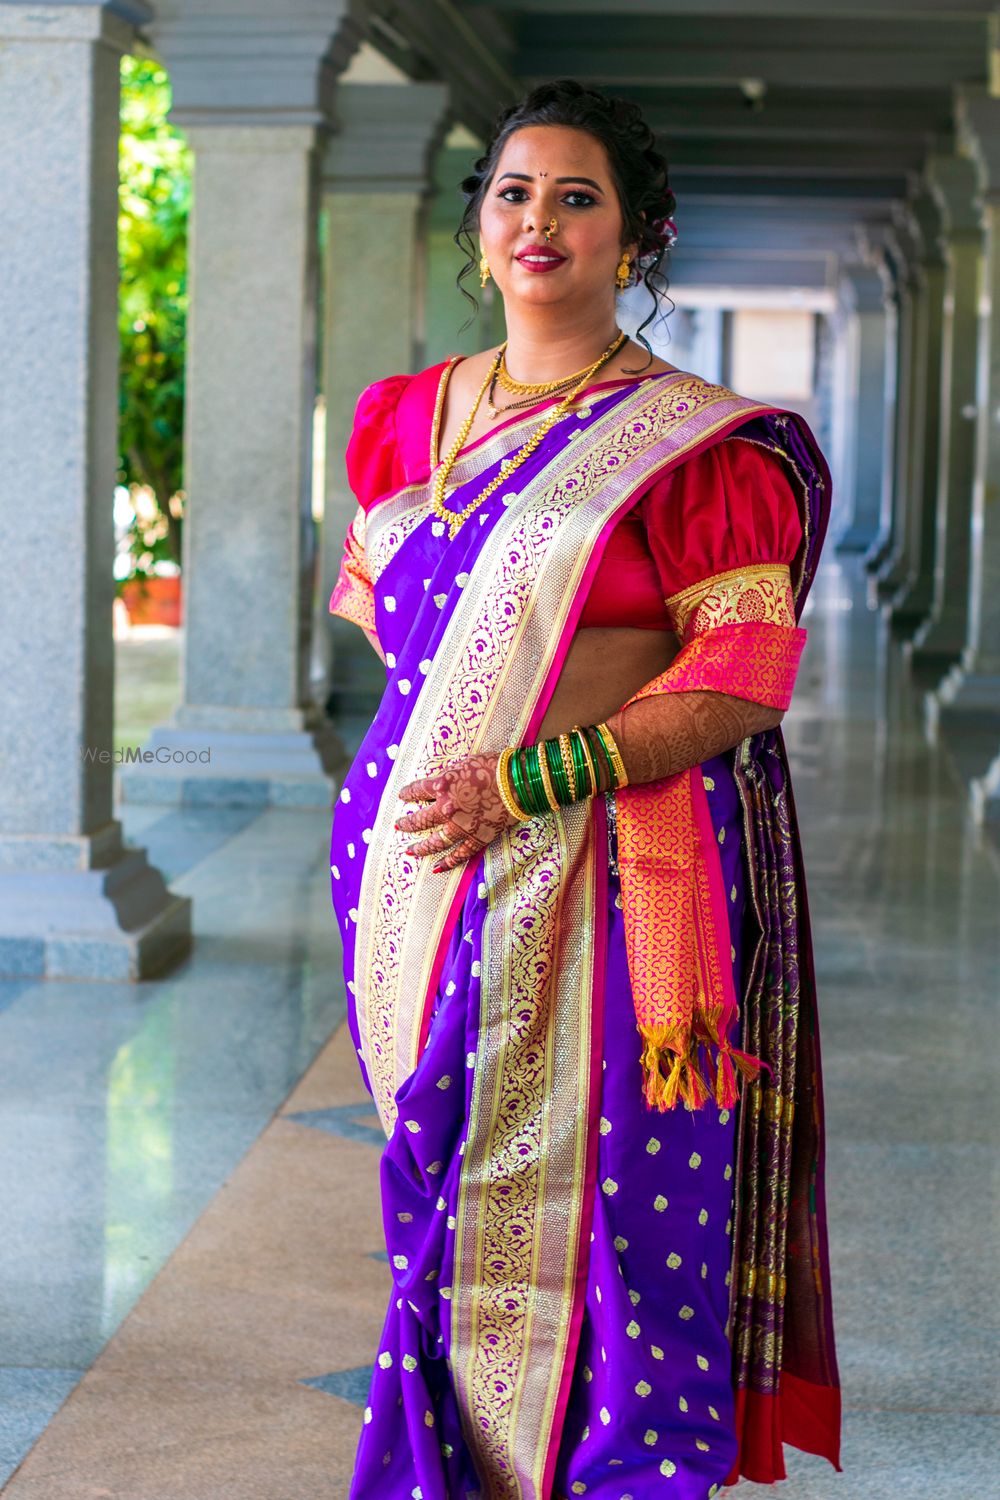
point(865, 448)
point(74, 901)
point(376, 173)
point(969, 698)
point(254, 98)
point(939, 641)
point(917, 223)
point(899, 257)
point(912, 602)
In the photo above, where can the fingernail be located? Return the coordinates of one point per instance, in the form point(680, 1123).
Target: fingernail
point(437, 869)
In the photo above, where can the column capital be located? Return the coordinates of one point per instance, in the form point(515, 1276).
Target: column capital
point(113, 22)
point(977, 116)
point(954, 182)
point(864, 288)
point(924, 223)
point(239, 67)
point(902, 243)
point(385, 137)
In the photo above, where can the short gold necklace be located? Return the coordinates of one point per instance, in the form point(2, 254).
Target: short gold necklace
point(499, 411)
point(455, 519)
point(531, 388)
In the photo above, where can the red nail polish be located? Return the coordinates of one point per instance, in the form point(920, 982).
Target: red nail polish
point(437, 869)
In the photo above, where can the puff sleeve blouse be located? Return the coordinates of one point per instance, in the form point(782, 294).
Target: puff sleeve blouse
point(727, 511)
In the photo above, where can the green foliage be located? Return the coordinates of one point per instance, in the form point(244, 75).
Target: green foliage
point(154, 194)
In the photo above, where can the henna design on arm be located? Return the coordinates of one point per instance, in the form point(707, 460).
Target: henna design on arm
point(670, 732)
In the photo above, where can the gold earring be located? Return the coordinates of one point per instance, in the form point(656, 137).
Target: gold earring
point(623, 272)
point(484, 270)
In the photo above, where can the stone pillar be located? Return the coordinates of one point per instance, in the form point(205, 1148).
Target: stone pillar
point(913, 600)
point(899, 261)
point(917, 430)
point(74, 902)
point(864, 447)
point(969, 697)
point(452, 325)
point(940, 640)
point(376, 174)
point(254, 98)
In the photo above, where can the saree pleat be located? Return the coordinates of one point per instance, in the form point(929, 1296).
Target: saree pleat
point(781, 1319)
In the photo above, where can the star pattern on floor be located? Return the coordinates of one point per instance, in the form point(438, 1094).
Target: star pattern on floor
point(349, 1121)
point(348, 1385)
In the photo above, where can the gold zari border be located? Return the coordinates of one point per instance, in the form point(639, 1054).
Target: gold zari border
point(757, 592)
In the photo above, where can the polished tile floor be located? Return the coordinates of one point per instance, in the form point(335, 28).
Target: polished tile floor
point(138, 1136)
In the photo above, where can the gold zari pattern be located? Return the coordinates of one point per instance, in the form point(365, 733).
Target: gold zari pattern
point(760, 593)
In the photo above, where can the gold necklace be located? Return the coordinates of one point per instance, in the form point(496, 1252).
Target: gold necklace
point(527, 387)
point(499, 411)
point(455, 519)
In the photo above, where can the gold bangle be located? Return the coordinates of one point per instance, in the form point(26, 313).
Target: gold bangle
point(565, 750)
point(505, 787)
point(616, 756)
point(588, 756)
point(543, 766)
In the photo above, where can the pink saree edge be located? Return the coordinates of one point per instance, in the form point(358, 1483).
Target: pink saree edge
point(713, 869)
point(599, 833)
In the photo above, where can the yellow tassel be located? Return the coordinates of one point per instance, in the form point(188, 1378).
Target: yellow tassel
point(670, 1069)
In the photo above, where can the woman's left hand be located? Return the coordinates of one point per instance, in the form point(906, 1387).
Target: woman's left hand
point(465, 810)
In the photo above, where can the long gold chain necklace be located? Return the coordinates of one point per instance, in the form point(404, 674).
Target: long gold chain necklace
point(455, 519)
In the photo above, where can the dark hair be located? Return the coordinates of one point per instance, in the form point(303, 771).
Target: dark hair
point(638, 171)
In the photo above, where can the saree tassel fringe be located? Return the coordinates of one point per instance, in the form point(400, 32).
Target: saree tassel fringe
point(671, 1070)
point(731, 1061)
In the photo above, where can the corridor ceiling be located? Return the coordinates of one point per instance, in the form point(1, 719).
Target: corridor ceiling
point(823, 112)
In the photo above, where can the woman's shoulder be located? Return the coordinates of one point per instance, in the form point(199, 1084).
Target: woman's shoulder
point(389, 432)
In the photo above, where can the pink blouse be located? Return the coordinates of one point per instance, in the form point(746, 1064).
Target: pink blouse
point(730, 507)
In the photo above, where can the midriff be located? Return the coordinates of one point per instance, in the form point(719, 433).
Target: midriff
point(603, 667)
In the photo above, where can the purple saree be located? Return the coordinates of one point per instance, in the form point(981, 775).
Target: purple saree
point(589, 1297)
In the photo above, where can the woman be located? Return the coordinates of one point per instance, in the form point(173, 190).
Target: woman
point(610, 1271)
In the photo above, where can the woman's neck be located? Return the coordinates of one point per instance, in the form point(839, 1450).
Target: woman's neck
point(544, 345)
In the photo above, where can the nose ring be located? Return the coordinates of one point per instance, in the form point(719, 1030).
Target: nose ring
point(550, 229)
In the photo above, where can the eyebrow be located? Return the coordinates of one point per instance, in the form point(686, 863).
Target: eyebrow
point(526, 177)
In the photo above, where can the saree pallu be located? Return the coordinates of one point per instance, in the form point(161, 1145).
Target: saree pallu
point(552, 1241)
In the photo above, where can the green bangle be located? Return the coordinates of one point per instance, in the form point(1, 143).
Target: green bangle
point(557, 771)
point(583, 788)
point(592, 736)
point(517, 781)
point(535, 782)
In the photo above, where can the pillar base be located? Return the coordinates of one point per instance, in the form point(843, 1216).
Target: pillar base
point(87, 908)
point(985, 797)
point(939, 642)
point(909, 608)
point(225, 767)
point(878, 553)
point(892, 578)
point(965, 701)
point(855, 539)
